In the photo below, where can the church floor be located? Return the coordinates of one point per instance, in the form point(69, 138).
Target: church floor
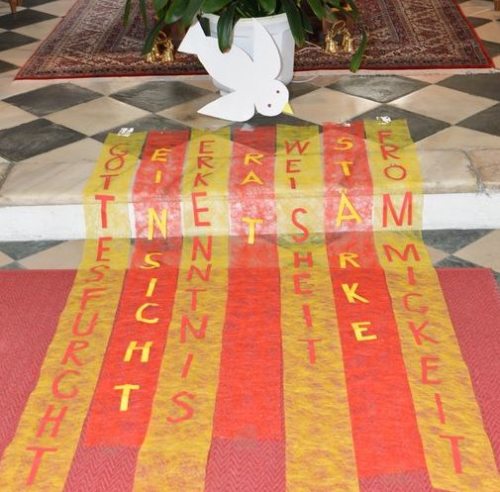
point(51, 130)
point(448, 248)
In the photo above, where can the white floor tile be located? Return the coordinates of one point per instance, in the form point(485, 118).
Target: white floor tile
point(187, 114)
point(64, 256)
point(430, 78)
point(10, 87)
point(107, 86)
point(12, 116)
point(324, 105)
point(484, 252)
point(472, 7)
point(56, 177)
point(436, 254)
point(39, 30)
point(19, 56)
point(4, 259)
point(443, 104)
point(456, 137)
point(447, 171)
point(490, 32)
point(59, 7)
point(96, 116)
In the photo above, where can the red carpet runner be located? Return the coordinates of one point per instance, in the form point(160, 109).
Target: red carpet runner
point(276, 325)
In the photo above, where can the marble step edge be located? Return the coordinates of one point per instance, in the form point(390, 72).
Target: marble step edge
point(57, 180)
point(66, 221)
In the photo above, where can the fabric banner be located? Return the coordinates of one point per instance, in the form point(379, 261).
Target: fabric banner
point(276, 324)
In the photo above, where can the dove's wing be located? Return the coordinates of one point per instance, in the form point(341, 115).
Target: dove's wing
point(266, 57)
point(234, 69)
point(235, 106)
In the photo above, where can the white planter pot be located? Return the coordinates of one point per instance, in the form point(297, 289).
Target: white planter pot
point(277, 26)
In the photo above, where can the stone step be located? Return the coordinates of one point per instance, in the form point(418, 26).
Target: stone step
point(66, 221)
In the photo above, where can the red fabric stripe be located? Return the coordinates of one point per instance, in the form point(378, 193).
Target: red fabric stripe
point(106, 424)
point(344, 145)
point(384, 426)
point(474, 304)
point(249, 408)
point(30, 306)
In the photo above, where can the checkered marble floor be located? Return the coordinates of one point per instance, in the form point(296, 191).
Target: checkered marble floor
point(51, 130)
point(449, 248)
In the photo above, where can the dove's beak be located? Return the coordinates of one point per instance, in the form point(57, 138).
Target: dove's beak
point(287, 109)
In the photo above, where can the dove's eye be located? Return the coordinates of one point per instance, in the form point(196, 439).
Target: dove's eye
point(269, 105)
point(277, 92)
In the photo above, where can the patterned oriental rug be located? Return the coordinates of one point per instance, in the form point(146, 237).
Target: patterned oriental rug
point(276, 325)
point(91, 41)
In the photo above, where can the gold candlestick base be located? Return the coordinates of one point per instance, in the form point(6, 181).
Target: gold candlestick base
point(338, 39)
point(163, 50)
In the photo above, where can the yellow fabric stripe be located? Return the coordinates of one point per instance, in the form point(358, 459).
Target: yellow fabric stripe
point(457, 450)
point(175, 451)
point(41, 453)
point(319, 447)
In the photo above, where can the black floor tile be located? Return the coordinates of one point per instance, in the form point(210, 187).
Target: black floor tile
point(52, 98)
point(453, 240)
point(35, 3)
point(487, 121)
point(478, 21)
point(145, 124)
point(12, 266)
point(39, 136)
point(493, 49)
point(281, 119)
point(379, 88)
point(454, 262)
point(6, 67)
point(497, 278)
point(297, 89)
point(17, 250)
point(420, 126)
point(483, 84)
point(23, 18)
point(156, 96)
point(10, 40)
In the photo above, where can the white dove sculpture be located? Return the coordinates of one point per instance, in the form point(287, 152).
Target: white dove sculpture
point(252, 82)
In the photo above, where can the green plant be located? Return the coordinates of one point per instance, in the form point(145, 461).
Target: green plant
point(230, 11)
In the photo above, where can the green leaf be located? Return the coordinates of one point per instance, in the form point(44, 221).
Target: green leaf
point(127, 8)
point(306, 22)
point(144, 12)
point(295, 21)
point(126, 12)
point(175, 11)
point(269, 6)
point(214, 6)
point(191, 11)
point(318, 7)
point(159, 4)
point(225, 28)
point(148, 45)
point(357, 58)
point(249, 8)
